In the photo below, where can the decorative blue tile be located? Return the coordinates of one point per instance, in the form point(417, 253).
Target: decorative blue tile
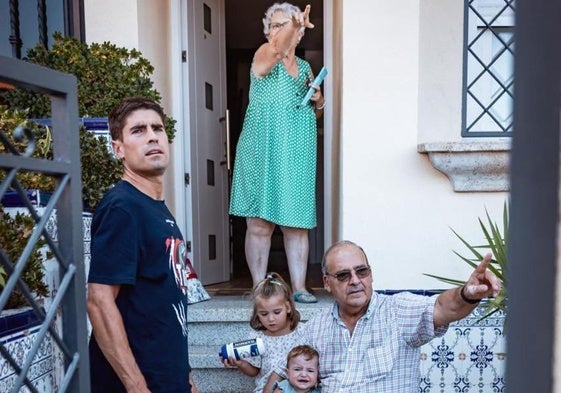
point(43, 366)
point(470, 357)
point(18, 332)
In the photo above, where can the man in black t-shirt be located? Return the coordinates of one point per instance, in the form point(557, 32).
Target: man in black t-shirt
point(137, 295)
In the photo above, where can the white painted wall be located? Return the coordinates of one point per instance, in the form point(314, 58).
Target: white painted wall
point(114, 21)
point(441, 30)
point(393, 202)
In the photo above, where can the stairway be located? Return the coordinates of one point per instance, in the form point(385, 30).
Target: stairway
point(221, 320)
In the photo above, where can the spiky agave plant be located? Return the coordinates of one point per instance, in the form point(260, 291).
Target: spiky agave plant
point(497, 240)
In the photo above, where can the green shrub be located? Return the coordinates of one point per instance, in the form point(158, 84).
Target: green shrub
point(14, 232)
point(100, 170)
point(106, 74)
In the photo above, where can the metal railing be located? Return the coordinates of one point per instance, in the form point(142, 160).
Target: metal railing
point(69, 303)
point(488, 78)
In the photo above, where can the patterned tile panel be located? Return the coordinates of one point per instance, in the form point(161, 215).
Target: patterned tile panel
point(47, 369)
point(470, 357)
point(41, 370)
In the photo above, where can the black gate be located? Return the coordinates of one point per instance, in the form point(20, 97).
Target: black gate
point(65, 202)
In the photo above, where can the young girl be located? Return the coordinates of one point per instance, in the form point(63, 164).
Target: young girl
point(275, 319)
point(302, 369)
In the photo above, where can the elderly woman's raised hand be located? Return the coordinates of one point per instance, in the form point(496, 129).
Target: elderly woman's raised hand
point(303, 18)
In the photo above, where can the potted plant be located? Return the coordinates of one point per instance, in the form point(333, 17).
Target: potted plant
point(496, 242)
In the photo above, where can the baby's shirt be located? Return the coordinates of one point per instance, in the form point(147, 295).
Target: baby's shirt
point(285, 386)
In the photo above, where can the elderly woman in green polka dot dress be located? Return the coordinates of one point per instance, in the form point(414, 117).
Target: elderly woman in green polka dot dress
point(275, 169)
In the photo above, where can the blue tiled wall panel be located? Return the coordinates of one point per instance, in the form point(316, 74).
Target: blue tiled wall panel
point(470, 357)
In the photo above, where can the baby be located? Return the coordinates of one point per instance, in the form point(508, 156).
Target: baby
point(302, 371)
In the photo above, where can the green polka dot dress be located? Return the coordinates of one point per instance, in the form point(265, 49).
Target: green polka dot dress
point(275, 169)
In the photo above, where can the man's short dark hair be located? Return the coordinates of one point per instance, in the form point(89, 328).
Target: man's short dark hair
point(118, 116)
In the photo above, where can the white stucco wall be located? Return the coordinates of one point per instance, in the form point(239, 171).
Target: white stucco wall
point(393, 202)
point(114, 21)
point(440, 67)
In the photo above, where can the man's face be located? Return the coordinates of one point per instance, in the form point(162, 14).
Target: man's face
point(144, 149)
point(356, 291)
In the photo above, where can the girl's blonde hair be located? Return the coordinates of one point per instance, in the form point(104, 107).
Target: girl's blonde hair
point(273, 285)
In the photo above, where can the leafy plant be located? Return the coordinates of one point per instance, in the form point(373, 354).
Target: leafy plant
point(15, 231)
point(496, 242)
point(106, 74)
point(100, 170)
point(9, 121)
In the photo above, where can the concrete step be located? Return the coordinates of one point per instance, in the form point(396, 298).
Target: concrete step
point(224, 319)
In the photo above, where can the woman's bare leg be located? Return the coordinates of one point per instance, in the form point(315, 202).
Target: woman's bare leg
point(297, 247)
point(257, 246)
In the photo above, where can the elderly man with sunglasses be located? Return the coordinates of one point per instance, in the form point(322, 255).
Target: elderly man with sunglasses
point(370, 342)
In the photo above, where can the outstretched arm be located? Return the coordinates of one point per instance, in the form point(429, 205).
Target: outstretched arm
point(451, 306)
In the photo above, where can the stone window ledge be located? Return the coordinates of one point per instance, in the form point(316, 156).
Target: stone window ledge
point(472, 165)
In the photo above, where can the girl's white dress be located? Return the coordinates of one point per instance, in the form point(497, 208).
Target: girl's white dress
point(276, 349)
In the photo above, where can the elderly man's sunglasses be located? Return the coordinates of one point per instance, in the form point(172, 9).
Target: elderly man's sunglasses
point(345, 275)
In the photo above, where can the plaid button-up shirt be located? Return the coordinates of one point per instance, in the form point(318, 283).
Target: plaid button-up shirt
point(383, 353)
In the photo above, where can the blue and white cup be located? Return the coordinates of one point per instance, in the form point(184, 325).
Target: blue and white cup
point(243, 349)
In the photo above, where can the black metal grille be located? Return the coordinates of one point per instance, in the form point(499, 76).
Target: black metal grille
point(69, 302)
point(31, 23)
point(488, 67)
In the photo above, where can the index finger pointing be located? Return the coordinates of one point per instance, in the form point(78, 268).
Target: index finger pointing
point(484, 263)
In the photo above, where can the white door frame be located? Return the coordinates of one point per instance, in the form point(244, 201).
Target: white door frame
point(181, 157)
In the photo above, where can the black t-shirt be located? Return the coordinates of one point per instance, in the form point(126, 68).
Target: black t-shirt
point(137, 244)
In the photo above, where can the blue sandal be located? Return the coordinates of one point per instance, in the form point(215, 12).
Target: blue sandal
point(304, 297)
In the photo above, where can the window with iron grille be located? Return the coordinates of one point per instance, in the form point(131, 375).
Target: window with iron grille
point(488, 68)
point(26, 23)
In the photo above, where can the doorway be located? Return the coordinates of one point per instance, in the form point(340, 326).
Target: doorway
point(244, 34)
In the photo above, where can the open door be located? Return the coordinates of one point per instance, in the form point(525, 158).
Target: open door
point(209, 172)
point(215, 55)
point(244, 36)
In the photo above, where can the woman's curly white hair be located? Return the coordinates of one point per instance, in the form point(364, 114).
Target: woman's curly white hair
point(286, 8)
